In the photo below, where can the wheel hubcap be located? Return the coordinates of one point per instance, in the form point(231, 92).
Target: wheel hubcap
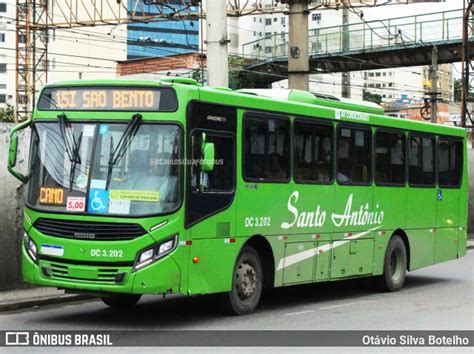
point(245, 280)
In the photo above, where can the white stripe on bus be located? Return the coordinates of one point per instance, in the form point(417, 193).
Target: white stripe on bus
point(301, 256)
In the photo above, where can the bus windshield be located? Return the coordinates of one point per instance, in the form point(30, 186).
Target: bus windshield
point(144, 180)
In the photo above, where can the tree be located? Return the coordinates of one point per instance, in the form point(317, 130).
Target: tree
point(7, 114)
point(371, 97)
point(458, 90)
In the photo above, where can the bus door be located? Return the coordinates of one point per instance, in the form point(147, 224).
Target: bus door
point(421, 200)
point(210, 190)
point(355, 217)
point(450, 165)
point(312, 199)
point(264, 180)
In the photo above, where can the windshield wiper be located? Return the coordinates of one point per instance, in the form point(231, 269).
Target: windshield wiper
point(72, 146)
point(116, 154)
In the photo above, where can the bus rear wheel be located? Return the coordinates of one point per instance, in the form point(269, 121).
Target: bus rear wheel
point(247, 284)
point(395, 266)
point(121, 301)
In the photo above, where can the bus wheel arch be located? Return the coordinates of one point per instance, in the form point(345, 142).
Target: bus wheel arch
point(395, 265)
point(405, 240)
point(265, 251)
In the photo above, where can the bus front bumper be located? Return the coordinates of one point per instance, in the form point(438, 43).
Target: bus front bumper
point(160, 277)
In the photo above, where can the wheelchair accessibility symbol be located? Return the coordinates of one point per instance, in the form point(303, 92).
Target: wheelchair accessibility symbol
point(98, 201)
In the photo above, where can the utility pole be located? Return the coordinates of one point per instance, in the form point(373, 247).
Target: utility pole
point(217, 42)
point(467, 114)
point(298, 53)
point(434, 84)
point(346, 75)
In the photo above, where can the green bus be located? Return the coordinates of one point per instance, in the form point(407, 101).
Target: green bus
point(167, 187)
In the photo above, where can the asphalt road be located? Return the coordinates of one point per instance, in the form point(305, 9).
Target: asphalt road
point(437, 297)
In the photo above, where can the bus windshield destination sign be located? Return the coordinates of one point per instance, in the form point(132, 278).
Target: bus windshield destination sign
point(104, 99)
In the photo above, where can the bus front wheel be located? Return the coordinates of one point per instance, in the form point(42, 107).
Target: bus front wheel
point(395, 266)
point(247, 284)
point(121, 301)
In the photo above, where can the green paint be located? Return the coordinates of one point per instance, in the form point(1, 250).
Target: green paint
point(316, 232)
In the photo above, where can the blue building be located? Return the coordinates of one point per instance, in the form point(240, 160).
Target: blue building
point(164, 37)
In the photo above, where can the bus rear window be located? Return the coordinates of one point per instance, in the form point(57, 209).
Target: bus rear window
point(141, 99)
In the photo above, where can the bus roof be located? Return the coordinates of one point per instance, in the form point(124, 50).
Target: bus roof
point(289, 101)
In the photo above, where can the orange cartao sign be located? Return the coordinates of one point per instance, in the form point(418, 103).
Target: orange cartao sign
point(51, 196)
point(101, 99)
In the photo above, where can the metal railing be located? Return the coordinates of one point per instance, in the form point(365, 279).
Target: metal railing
point(366, 36)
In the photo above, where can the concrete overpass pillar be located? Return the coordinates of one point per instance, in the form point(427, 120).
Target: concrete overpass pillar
point(298, 53)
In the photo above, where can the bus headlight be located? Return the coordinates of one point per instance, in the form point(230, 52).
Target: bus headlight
point(30, 246)
point(155, 252)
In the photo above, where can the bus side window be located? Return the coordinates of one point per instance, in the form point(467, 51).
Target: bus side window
point(354, 147)
point(390, 158)
point(421, 155)
point(450, 159)
point(266, 149)
point(313, 147)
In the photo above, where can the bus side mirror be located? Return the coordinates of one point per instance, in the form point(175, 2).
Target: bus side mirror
point(12, 153)
point(208, 157)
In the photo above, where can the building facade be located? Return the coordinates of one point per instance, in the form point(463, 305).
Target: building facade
point(7, 53)
point(163, 37)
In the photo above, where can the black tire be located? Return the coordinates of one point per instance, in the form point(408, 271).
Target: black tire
point(247, 284)
point(395, 266)
point(121, 301)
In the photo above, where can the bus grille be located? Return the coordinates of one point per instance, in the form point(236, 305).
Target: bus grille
point(86, 230)
point(102, 275)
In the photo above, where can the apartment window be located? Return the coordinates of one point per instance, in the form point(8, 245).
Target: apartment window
point(313, 152)
point(2, 37)
point(268, 21)
point(254, 33)
point(266, 148)
point(450, 158)
point(259, 34)
point(316, 17)
point(268, 50)
point(260, 20)
point(3, 68)
point(353, 156)
point(3, 98)
point(52, 64)
point(315, 46)
point(371, 74)
point(421, 163)
point(268, 34)
point(3, 86)
point(377, 85)
point(283, 21)
point(3, 7)
point(377, 74)
point(275, 19)
point(390, 84)
point(22, 38)
point(254, 19)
